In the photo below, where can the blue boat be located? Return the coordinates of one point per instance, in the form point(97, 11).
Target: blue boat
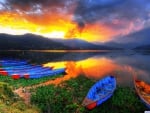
point(24, 69)
point(44, 74)
point(20, 69)
point(28, 66)
point(143, 91)
point(100, 92)
point(22, 72)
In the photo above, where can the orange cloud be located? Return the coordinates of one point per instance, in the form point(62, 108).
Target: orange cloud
point(53, 25)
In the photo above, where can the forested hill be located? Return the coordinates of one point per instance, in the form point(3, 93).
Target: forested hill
point(27, 42)
point(36, 42)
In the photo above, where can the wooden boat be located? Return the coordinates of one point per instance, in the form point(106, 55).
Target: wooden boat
point(21, 69)
point(35, 75)
point(44, 74)
point(143, 91)
point(100, 92)
point(31, 69)
point(14, 68)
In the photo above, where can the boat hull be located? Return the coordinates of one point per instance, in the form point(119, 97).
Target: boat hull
point(142, 93)
point(100, 92)
point(21, 69)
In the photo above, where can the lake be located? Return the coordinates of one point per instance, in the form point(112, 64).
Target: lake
point(92, 64)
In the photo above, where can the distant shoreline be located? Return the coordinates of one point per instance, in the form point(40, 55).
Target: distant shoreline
point(70, 51)
point(61, 50)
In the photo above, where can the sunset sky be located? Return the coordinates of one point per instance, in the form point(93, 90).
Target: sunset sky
point(90, 20)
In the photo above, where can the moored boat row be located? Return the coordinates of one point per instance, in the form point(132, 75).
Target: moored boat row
point(36, 75)
point(22, 69)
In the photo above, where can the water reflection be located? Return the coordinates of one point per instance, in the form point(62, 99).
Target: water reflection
point(95, 65)
point(124, 67)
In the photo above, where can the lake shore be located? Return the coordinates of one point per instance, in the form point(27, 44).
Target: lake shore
point(67, 97)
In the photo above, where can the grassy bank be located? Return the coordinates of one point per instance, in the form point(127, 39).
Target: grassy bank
point(25, 82)
point(11, 103)
point(68, 96)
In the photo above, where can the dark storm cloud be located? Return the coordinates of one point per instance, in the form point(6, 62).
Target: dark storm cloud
point(23, 3)
point(109, 11)
point(26, 5)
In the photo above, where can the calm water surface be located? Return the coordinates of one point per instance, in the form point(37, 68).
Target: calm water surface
point(92, 64)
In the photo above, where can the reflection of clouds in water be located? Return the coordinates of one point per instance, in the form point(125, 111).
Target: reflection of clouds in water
point(55, 65)
point(98, 67)
point(136, 64)
point(72, 70)
point(126, 73)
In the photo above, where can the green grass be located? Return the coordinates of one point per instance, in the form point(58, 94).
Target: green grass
point(68, 96)
point(18, 107)
point(6, 94)
point(11, 103)
point(65, 98)
point(25, 82)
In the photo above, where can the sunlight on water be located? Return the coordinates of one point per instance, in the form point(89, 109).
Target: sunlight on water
point(94, 65)
point(98, 67)
point(92, 68)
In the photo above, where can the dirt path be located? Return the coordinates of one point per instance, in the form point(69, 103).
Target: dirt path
point(25, 94)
